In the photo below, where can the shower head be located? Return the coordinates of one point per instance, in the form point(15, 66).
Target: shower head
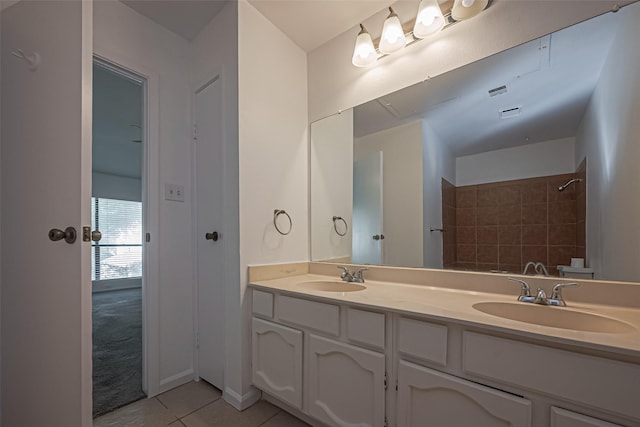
point(571, 181)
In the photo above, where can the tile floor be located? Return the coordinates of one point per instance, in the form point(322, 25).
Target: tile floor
point(195, 404)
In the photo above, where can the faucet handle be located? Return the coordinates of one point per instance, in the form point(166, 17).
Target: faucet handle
point(525, 291)
point(346, 274)
point(358, 277)
point(556, 293)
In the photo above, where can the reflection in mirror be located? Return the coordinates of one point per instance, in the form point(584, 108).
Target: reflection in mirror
point(525, 159)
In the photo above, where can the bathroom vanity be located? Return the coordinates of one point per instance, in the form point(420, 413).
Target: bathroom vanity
point(424, 350)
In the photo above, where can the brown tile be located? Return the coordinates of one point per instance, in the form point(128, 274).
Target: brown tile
point(488, 267)
point(466, 266)
point(581, 238)
point(534, 191)
point(535, 254)
point(581, 207)
point(509, 195)
point(511, 268)
point(581, 252)
point(510, 234)
point(561, 255)
point(562, 213)
point(465, 217)
point(466, 253)
point(562, 234)
point(534, 214)
point(487, 254)
point(466, 196)
point(510, 215)
point(534, 234)
point(487, 234)
point(487, 196)
point(448, 215)
point(487, 216)
point(466, 235)
point(510, 254)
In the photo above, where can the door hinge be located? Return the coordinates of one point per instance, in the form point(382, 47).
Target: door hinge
point(385, 380)
point(386, 422)
point(147, 237)
point(396, 385)
point(195, 132)
point(197, 339)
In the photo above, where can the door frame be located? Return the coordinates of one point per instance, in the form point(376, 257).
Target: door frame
point(150, 210)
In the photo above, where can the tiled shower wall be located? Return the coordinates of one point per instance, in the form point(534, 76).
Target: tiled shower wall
point(503, 225)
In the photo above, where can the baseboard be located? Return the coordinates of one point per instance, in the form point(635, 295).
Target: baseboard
point(241, 402)
point(174, 381)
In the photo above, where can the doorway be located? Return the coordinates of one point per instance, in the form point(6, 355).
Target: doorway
point(117, 258)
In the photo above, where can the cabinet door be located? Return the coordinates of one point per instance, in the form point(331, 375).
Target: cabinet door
point(345, 384)
point(431, 398)
point(564, 418)
point(277, 361)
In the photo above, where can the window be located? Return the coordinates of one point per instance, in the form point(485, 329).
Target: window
point(118, 255)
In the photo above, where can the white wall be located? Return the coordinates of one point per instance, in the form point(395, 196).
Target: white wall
point(402, 190)
point(437, 163)
point(546, 158)
point(331, 175)
point(215, 51)
point(126, 36)
point(335, 84)
point(609, 136)
point(273, 155)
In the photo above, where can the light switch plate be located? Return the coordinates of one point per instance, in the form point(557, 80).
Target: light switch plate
point(174, 192)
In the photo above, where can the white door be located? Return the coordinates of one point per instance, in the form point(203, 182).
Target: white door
point(210, 241)
point(368, 237)
point(46, 184)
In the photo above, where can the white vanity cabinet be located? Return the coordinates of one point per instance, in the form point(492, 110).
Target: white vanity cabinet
point(345, 385)
point(563, 418)
point(277, 361)
point(430, 398)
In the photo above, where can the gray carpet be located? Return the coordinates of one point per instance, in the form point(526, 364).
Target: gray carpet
point(117, 349)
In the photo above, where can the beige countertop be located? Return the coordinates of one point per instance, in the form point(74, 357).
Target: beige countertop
point(455, 305)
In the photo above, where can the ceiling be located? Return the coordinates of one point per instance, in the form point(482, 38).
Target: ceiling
point(309, 23)
point(550, 80)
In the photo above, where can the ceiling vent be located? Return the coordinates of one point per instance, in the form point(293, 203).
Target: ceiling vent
point(498, 91)
point(510, 112)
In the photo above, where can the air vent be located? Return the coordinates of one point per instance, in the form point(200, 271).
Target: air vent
point(510, 112)
point(498, 91)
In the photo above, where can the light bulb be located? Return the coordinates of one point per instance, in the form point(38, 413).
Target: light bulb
point(392, 38)
point(429, 20)
point(468, 3)
point(363, 52)
point(466, 9)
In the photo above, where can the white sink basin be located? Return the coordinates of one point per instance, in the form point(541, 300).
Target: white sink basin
point(332, 286)
point(554, 317)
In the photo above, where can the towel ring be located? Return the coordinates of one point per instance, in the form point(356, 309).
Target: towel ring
point(335, 226)
point(276, 214)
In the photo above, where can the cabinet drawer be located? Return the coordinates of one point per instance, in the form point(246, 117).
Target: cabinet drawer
point(311, 314)
point(423, 340)
point(365, 327)
point(600, 383)
point(564, 418)
point(262, 303)
point(431, 398)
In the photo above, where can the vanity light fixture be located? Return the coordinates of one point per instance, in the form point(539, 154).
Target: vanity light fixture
point(430, 19)
point(465, 9)
point(392, 38)
point(364, 53)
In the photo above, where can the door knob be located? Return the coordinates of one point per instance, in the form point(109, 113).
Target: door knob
point(378, 237)
point(212, 236)
point(96, 236)
point(69, 235)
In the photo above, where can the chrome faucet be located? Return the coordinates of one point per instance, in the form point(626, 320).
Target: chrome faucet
point(538, 268)
point(347, 276)
point(541, 296)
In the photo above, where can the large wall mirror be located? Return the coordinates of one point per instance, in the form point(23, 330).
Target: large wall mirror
point(530, 155)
